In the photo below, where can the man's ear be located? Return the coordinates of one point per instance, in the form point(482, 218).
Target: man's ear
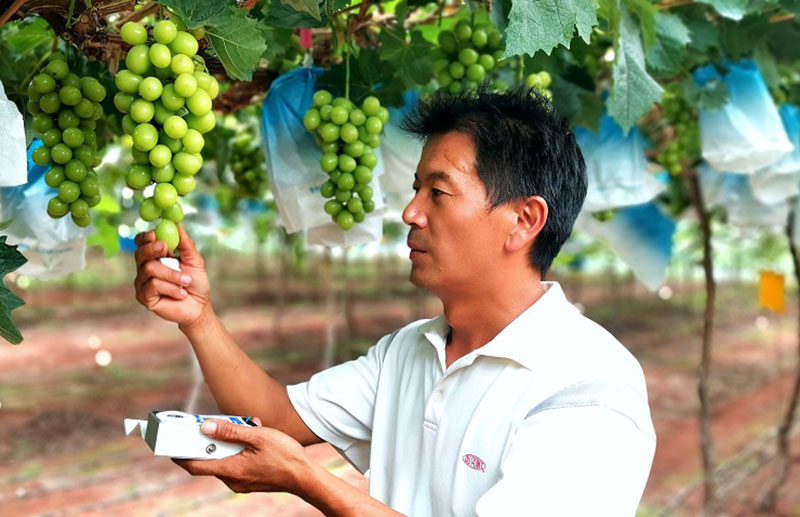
point(531, 216)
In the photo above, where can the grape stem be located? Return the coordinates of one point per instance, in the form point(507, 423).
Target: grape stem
point(347, 70)
point(70, 16)
point(135, 16)
point(332, 22)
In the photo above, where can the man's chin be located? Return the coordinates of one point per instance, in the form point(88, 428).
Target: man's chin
point(416, 278)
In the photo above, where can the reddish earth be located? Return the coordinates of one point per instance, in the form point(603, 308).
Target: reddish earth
point(63, 452)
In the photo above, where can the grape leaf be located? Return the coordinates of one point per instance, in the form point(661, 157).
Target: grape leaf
point(738, 39)
point(233, 35)
point(277, 37)
point(578, 105)
point(400, 13)
point(634, 90)
point(411, 59)
point(609, 10)
point(30, 36)
point(279, 14)
point(310, 7)
point(646, 12)
point(704, 34)
point(732, 9)
point(237, 41)
point(278, 40)
point(792, 6)
point(499, 13)
point(10, 260)
point(104, 236)
point(782, 40)
point(195, 12)
point(672, 36)
point(545, 24)
point(767, 66)
point(368, 76)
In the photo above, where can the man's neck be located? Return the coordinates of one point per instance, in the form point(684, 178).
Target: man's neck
point(477, 316)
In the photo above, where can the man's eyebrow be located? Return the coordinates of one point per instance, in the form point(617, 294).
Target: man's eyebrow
point(435, 175)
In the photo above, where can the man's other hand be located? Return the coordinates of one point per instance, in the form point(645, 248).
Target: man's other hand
point(271, 461)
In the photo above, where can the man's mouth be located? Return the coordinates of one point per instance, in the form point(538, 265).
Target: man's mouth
point(414, 247)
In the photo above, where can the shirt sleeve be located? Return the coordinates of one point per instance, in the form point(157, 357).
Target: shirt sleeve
point(338, 404)
point(587, 460)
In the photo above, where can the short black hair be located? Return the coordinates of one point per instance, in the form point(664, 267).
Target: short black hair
point(524, 148)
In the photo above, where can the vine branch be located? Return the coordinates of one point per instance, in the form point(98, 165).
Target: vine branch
point(10, 12)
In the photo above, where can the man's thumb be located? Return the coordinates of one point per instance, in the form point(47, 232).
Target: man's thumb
point(188, 252)
point(226, 431)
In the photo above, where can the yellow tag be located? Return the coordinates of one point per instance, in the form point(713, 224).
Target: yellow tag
point(770, 291)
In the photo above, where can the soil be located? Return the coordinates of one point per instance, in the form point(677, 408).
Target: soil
point(63, 449)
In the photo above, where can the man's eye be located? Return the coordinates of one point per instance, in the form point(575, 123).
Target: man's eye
point(436, 192)
point(416, 188)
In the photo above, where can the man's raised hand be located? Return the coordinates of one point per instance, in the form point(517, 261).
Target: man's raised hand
point(179, 296)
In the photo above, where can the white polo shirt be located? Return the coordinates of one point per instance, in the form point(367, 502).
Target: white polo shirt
point(549, 418)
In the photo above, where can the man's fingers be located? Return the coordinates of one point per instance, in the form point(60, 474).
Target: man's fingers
point(155, 269)
point(144, 237)
point(155, 288)
point(228, 432)
point(149, 251)
point(202, 467)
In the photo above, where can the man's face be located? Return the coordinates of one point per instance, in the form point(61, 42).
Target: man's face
point(456, 240)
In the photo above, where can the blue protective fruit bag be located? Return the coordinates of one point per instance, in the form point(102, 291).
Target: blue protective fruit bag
point(779, 181)
point(616, 167)
point(641, 235)
point(746, 134)
point(733, 192)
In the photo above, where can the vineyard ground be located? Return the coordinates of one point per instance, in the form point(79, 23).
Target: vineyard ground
point(63, 452)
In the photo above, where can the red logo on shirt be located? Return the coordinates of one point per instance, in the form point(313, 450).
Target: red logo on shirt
point(474, 462)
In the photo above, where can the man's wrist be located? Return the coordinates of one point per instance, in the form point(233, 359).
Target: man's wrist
point(305, 479)
point(312, 483)
point(205, 320)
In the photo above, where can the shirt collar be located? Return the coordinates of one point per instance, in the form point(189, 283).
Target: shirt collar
point(521, 340)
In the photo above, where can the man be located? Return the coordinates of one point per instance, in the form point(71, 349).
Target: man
point(510, 403)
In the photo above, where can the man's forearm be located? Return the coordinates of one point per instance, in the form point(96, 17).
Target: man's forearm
point(237, 383)
point(337, 498)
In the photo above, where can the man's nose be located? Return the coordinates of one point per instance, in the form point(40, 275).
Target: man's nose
point(413, 215)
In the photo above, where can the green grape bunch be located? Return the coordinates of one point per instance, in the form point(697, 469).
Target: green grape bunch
point(166, 96)
point(65, 109)
point(683, 147)
point(469, 54)
point(347, 135)
point(248, 166)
